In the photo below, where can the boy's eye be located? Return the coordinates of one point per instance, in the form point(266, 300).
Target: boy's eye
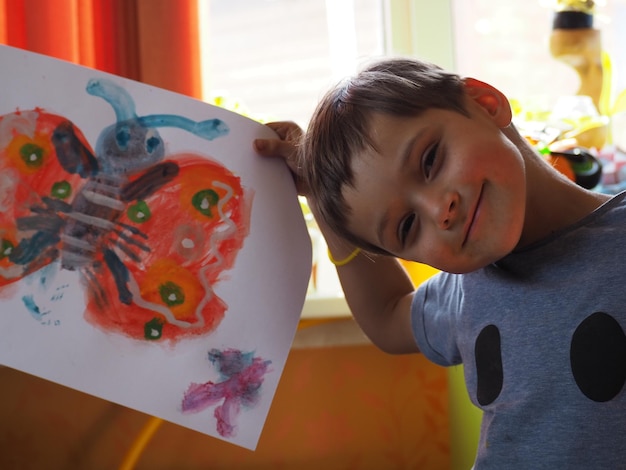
point(405, 227)
point(429, 160)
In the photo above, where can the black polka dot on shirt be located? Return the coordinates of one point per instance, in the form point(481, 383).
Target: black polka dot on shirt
point(488, 354)
point(598, 357)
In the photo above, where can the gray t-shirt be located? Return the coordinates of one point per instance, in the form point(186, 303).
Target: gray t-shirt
point(541, 337)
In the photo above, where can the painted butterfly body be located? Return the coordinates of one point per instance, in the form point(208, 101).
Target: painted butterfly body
point(150, 236)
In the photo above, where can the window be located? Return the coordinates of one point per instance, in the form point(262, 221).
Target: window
point(506, 43)
point(277, 57)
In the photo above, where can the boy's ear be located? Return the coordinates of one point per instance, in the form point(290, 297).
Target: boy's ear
point(490, 99)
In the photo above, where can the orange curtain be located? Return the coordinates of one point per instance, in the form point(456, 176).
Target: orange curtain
point(152, 41)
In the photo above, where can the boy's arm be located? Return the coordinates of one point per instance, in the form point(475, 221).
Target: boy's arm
point(377, 289)
point(379, 293)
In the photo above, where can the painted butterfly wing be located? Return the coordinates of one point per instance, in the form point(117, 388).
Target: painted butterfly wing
point(174, 245)
point(34, 183)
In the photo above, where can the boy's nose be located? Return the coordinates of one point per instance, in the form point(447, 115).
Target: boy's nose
point(448, 210)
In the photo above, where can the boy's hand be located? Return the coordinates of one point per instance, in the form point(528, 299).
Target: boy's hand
point(286, 147)
point(378, 290)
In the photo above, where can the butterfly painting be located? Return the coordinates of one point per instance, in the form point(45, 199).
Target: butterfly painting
point(102, 212)
point(139, 230)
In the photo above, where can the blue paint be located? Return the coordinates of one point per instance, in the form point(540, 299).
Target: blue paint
point(209, 129)
point(58, 293)
point(33, 308)
point(48, 273)
point(120, 274)
point(30, 249)
point(119, 99)
point(133, 143)
point(231, 362)
point(124, 107)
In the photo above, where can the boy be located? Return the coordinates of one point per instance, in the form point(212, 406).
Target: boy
point(410, 161)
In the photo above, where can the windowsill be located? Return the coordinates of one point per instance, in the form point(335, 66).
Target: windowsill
point(317, 307)
point(327, 322)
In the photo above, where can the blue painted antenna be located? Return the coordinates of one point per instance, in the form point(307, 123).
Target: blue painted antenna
point(124, 107)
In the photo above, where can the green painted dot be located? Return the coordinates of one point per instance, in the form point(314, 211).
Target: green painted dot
point(139, 212)
point(204, 201)
point(32, 155)
point(153, 329)
point(6, 248)
point(61, 190)
point(171, 294)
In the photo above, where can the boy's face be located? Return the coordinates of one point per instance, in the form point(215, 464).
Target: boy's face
point(443, 189)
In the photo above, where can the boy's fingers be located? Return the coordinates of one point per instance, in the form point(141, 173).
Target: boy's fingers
point(286, 130)
point(275, 148)
point(284, 150)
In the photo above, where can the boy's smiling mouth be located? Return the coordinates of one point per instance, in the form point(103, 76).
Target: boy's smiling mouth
point(472, 217)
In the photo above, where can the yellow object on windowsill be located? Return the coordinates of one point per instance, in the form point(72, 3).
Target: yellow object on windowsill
point(418, 272)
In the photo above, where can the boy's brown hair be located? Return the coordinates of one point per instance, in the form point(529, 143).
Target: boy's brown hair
point(339, 127)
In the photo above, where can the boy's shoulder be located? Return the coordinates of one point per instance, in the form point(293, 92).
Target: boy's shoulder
point(616, 202)
point(608, 216)
point(611, 215)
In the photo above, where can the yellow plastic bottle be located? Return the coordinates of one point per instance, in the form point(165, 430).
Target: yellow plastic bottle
point(576, 42)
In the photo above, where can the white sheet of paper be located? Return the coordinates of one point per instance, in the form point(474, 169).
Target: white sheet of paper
point(213, 284)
